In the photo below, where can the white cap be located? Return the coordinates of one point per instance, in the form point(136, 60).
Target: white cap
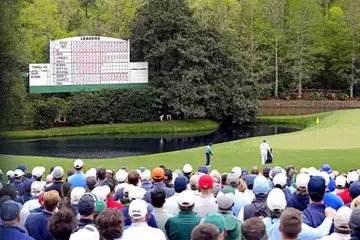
point(91, 173)
point(78, 163)
point(10, 174)
point(326, 176)
point(138, 209)
point(145, 175)
point(101, 192)
point(174, 176)
point(214, 172)
point(187, 168)
point(312, 171)
point(76, 194)
point(38, 171)
point(136, 193)
point(138, 171)
point(304, 170)
point(280, 179)
point(276, 199)
point(340, 181)
point(36, 188)
point(302, 180)
point(89, 232)
point(1, 172)
point(186, 198)
point(236, 170)
point(121, 175)
point(352, 177)
point(18, 173)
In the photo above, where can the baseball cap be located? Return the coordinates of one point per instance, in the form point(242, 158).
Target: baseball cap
point(352, 177)
point(136, 192)
point(10, 174)
point(142, 169)
point(186, 198)
point(302, 180)
point(274, 171)
point(216, 219)
point(158, 173)
point(355, 219)
point(101, 192)
point(138, 209)
point(18, 173)
point(216, 177)
point(187, 168)
point(78, 163)
point(58, 172)
point(86, 205)
point(91, 173)
point(250, 181)
point(121, 175)
point(38, 171)
point(326, 167)
point(10, 210)
point(244, 172)
point(261, 185)
point(236, 170)
point(205, 182)
point(27, 185)
point(324, 175)
point(276, 200)
point(203, 169)
point(355, 189)
point(280, 180)
point(180, 183)
point(36, 188)
point(266, 170)
point(316, 185)
point(342, 218)
point(138, 171)
point(146, 175)
point(22, 167)
point(340, 181)
point(100, 205)
point(194, 179)
point(89, 232)
point(226, 197)
point(312, 171)
point(76, 194)
point(233, 179)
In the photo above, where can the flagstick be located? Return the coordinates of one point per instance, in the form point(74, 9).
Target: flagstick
point(318, 131)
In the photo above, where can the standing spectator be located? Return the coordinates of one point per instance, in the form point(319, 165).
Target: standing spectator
point(88, 232)
point(219, 221)
point(258, 206)
point(233, 180)
point(121, 177)
point(36, 189)
point(216, 176)
point(280, 181)
point(253, 229)
point(76, 194)
point(38, 173)
point(26, 192)
point(160, 214)
point(354, 190)
point(37, 223)
point(110, 223)
point(168, 178)
point(78, 179)
point(181, 226)
point(58, 174)
point(10, 217)
point(345, 195)
point(139, 228)
point(18, 182)
point(206, 202)
point(194, 184)
point(205, 231)
point(66, 195)
point(355, 224)
point(62, 224)
point(158, 176)
point(250, 185)
point(23, 168)
point(90, 183)
point(171, 203)
point(110, 203)
point(133, 179)
point(300, 199)
point(342, 228)
point(87, 210)
point(145, 178)
point(340, 183)
point(290, 224)
point(100, 176)
point(187, 169)
point(330, 199)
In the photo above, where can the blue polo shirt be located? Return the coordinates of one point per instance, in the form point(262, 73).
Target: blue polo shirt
point(146, 185)
point(78, 180)
point(300, 202)
point(19, 187)
point(333, 201)
point(13, 233)
point(37, 225)
point(168, 191)
point(314, 215)
point(24, 198)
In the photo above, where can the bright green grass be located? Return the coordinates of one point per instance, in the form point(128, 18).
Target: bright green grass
point(338, 145)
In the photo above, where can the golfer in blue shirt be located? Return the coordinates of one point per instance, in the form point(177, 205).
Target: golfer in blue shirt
point(208, 153)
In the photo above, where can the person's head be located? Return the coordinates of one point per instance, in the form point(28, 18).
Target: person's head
point(355, 189)
point(18, 175)
point(255, 170)
point(340, 182)
point(355, 203)
point(51, 200)
point(62, 223)
point(355, 220)
point(58, 173)
point(145, 175)
point(10, 213)
point(276, 202)
point(317, 189)
point(180, 184)
point(111, 184)
point(187, 169)
point(301, 182)
point(244, 173)
point(87, 206)
point(223, 178)
point(326, 168)
point(69, 173)
point(194, 181)
point(168, 176)
point(158, 197)
point(66, 189)
point(253, 229)
point(206, 184)
point(133, 178)
point(109, 174)
point(91, 183)
point(138, 211)
point(76, 194)
point(217, 220)
point(110, 223)
point(226, 198)
point(100, 173)
point(233, 180)
point(203, 170)
point(101, 192)
point(280, 180)
point(78, 165)
point(352, 177)
point(261, 186)
point(27, 186)
point(266, 171)
point(100, 206)
point(205, 231)
point(342, 220)
point(87, 232)
point(158, 175)
point(10, 174)
point(186, 201)
point(210, 144)
point(9, 190)
point(22, 167)
point(121, 176)
point(290, 223)
point(250, 181)
point(288, 169)
point(38, 172)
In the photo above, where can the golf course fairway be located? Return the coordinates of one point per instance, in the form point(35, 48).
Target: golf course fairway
point(335, 141)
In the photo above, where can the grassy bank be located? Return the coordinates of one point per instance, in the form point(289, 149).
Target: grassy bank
point(149, 127)
point(337, 143)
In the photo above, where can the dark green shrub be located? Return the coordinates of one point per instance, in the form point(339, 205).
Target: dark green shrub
point(317, 96)
point(45, 116)
point(343, 97)
point(265, 91)
point(293, 95)
point(330, 95)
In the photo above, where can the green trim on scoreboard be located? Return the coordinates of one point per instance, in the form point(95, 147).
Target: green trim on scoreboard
point(80, 88)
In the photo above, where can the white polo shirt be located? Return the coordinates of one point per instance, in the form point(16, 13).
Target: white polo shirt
point(141, 230)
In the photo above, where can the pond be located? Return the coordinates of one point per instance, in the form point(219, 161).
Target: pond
point(112, 146)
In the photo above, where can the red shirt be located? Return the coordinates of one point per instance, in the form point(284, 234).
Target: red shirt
point(345, 196)
point(110, 203)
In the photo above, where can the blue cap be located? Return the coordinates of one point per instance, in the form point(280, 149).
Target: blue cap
point(326, 167)
point(266, 170)
point(355, 189)
point(22, 167)
point(142, 169)
point(86, 205)
point(180, 183)
point(10, 210)
point(317, 184)
point(244, 172)
point(27, 185)
point(250, 181)
point(51, 169)
point(261, 185)
point(203, 169)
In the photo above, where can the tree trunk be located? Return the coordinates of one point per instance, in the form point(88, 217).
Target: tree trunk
point(352, 62)
point(86, 10)
point(276, 66)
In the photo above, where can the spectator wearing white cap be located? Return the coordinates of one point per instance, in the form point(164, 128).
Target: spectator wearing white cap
point(10, 176)
point(38, 172)
point(340, 184)
point(78, 179)
point(139, 228)
point(121, 177)
point(58, 175)
point(36, 189)
point(76, 194)
point(345, 195)
point(300, 199)
point(133, 179)
point(18, 179)
point(145, 180)
point(280, 181)
point(89, 232)
point(342, 225)
point(187, 169)
point(181, 226)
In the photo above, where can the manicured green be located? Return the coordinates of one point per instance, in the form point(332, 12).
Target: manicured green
point(338, 144)
point(148, 127)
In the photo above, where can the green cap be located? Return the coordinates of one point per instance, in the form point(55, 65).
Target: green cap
point(100, 206)
point(216, 219)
